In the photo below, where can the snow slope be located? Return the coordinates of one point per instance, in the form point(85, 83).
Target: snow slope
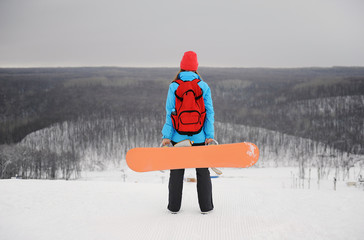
point(249, 204)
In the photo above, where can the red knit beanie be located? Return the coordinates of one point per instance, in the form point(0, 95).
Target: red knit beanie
point(189, 61)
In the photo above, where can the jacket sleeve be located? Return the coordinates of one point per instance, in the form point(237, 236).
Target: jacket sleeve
point(168, 129)
point(210, 114)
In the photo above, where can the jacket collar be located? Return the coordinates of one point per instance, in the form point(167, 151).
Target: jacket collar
point(188, 76)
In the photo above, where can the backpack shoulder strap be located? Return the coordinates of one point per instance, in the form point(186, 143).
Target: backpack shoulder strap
point(196, 81)
point(178, 81)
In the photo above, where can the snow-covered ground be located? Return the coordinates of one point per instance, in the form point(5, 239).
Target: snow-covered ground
point(253, 203)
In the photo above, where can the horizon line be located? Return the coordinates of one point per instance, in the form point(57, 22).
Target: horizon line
point(115, 66)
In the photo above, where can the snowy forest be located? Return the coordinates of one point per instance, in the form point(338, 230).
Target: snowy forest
point(57, 122)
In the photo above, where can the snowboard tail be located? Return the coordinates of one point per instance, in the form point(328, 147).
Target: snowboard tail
point(234, 155)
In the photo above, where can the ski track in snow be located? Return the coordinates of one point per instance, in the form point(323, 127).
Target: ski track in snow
point(258, 204)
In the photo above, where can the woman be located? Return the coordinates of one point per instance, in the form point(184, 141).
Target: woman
point(188, 72)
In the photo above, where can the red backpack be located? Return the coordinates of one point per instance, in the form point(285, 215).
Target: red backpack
point(190, 114)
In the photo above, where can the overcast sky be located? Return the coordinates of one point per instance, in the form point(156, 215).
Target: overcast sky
point(150, 33)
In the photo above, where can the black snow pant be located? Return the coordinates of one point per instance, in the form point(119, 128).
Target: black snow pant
point(204, 188)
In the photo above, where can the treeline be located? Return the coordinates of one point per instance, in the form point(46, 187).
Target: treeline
point(29, 162)
point(282, 150)
point(65, 149)
point(98, 141)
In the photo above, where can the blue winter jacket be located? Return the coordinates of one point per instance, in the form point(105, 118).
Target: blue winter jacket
point(208, 129)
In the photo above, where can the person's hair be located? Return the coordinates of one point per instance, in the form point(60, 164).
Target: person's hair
point(181, 70)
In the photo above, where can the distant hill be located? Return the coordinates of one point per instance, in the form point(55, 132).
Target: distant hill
point(322, 104)
point(55, 122)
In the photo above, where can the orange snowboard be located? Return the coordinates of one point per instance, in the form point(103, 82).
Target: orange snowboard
point(234, 155)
